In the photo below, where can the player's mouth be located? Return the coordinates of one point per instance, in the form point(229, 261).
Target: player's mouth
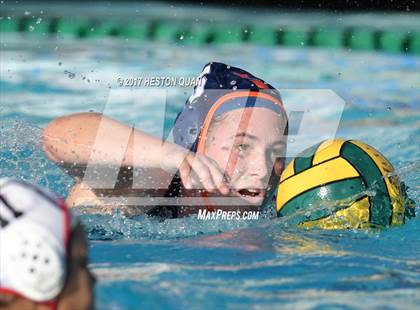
point(251, 194)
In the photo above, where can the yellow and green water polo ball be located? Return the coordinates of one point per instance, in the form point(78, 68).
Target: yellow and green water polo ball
point(339, 184)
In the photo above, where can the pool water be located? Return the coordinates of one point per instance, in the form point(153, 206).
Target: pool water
point(187, 263)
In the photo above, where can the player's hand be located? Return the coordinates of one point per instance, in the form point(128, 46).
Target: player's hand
point(201, 172)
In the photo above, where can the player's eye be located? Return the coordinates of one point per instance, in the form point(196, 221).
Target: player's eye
point(242, 147)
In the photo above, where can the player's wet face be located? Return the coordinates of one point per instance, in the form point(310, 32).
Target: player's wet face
point(248, 152)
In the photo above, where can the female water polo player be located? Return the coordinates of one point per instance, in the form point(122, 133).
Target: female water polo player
point(230, 139)
point(42, 251)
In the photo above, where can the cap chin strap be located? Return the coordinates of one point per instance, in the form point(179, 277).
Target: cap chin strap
point(32, 263)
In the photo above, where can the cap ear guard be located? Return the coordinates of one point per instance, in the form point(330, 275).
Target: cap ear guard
point(32, 264)
point(34, 235)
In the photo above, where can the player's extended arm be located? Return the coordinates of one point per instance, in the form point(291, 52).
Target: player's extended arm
point(70, 141)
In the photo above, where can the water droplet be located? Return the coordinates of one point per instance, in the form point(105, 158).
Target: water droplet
point(60, 63)
point(181, 37)
point(235, 87)
point(228, 67)
point(233, 82)
point(71, 75)
point(31, 28)
point(388, 108)
point(39, 20)
point(27, 13)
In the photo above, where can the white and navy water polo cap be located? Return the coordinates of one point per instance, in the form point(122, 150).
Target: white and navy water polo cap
point(221, 88)
point(34, 239)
